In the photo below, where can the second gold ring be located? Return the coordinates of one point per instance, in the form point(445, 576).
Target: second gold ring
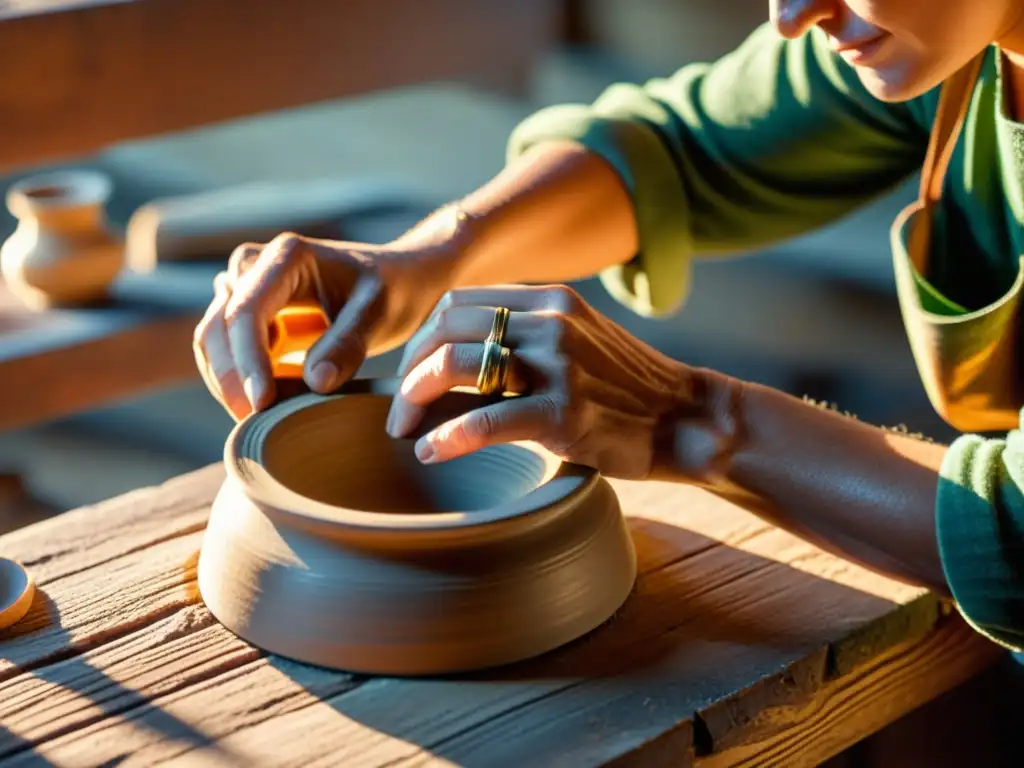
point(493, 369)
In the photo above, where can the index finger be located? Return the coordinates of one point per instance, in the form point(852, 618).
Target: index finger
point(267, 287)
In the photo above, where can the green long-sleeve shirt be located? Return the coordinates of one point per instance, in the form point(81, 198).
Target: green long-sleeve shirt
point(779, 138)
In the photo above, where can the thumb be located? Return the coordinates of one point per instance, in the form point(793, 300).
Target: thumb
point(338, 353)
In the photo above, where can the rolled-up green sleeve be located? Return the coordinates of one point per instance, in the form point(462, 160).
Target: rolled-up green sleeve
point(771, 141)
point(980, 522)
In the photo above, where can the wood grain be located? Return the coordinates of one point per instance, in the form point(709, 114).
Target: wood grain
point(185, 651)
point(82, 539)
point(726, 648)
point(107, 570)
point(847, 708)
point(90, 74)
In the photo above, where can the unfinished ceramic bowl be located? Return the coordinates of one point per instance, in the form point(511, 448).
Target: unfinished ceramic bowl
point(330, 543)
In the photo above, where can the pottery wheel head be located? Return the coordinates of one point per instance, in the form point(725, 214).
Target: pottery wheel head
point(329, 458)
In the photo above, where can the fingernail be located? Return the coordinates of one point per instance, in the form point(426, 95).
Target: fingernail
point(389, 426)
point(323, 375)
point(403, 418)
point(254, 391)
point(425, 451)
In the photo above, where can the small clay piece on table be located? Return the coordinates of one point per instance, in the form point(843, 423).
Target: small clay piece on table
point(17, 589)
point(330, 543)
point(61, 253)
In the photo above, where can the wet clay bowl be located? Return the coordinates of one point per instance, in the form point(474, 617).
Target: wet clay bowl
point(330, 543)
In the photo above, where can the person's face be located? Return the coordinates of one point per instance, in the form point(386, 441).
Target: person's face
point(903, 48)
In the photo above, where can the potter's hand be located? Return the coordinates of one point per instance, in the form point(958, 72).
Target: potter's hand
point(376, 295)
point(594, 394)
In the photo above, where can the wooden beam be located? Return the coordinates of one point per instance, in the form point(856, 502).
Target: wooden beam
point(82, 75)
point(59, 362)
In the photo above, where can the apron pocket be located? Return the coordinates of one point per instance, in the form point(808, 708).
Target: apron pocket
point(967, 361)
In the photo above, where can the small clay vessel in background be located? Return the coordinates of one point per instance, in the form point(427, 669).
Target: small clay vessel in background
point(61, 253)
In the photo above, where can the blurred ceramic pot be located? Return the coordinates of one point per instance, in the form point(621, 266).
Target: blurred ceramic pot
point(61, 253)
point(331, 544)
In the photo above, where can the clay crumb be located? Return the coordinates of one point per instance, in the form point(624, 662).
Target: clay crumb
point(188, 620)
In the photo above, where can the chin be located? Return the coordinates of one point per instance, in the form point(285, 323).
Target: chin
point(892, 87)
point(909, 76)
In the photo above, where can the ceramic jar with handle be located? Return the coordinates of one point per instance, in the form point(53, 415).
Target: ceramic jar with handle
point(61, 253)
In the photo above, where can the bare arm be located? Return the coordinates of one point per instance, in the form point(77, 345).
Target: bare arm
point(864, 493)
point(557, 213)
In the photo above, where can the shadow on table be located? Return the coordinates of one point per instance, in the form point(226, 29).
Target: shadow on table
point(695, 631)
point(708, 626)
point(96, 690)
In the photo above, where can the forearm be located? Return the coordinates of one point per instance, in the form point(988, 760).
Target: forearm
point(558, 213)
point(861, 492)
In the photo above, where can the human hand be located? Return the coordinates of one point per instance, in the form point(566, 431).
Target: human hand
point(590, 392)
point(376, 296)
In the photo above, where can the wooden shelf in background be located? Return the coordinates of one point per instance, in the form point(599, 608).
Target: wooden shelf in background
point(83, 75)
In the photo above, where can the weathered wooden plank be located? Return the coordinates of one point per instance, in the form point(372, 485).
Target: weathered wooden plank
point(84, 538)
point(85, 610)
point(185, 650)
point(731, 627)
point(636, 682)
point(106, 570)
point(729, 616)
point(108, 350)
point(130, 574)
point(850, 707)
point(162, 657)
point(90, 74)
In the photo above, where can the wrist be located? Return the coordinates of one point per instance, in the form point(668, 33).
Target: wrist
point(420, 264)
point(703, 431)
point(440, 240)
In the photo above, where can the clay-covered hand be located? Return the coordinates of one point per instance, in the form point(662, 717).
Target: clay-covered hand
point(590, 392)
point(375, 295)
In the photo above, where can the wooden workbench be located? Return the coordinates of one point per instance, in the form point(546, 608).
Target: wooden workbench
point(740, 645)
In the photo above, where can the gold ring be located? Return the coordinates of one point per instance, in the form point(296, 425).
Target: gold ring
point(493, 369)
point(499, 326)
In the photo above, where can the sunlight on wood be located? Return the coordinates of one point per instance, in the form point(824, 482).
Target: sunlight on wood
point(125, 665)
point(707, 518)
point(317, 728)
point(135, 685)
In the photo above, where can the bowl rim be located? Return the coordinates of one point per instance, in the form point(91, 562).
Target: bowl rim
point(567, 483)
